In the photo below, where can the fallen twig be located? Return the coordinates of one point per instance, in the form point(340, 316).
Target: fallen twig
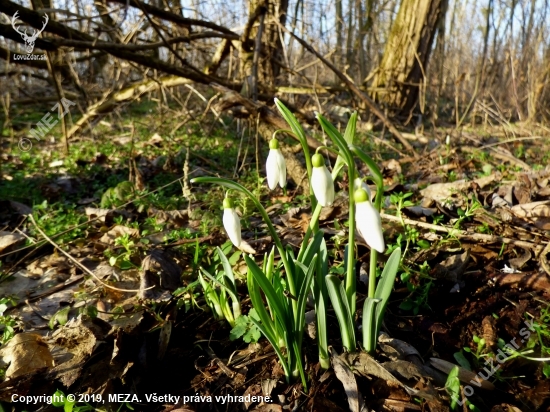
point(462, 234)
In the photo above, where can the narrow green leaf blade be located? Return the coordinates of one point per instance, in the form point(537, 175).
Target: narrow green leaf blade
point(339, 302)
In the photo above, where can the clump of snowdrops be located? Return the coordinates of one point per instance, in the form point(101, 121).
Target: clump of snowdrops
point(282, 316)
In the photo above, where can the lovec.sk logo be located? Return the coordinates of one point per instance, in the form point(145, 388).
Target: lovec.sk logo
point(29, 40)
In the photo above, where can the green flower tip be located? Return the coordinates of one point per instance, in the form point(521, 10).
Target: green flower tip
point(274, 144)
point(360, 195)
point(317, 160)
point(228, 203)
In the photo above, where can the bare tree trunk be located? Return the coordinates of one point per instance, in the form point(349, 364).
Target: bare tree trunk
point(339, 33)
point(271, 46)
point(349, 42)
point(362, 63)
point(402, 70)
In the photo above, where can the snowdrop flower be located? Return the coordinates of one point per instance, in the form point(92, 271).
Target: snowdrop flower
point(231, 222)
point(367, 219)
point(321, 181)
point(275, 166)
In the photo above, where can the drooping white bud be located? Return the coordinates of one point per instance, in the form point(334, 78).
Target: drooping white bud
point(321, 181)
point(231, 222)
point(275, 166)
point(368, 221)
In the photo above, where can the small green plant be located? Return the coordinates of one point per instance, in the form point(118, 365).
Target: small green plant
point(123, 260)
point(117, 196)
point(7, 322)
point(58, 218)
point(246, 328)
point(60, 317)
point(187, 297)
point(452, 385)
point(419, 286)
point(480, 342)
point(465, 214)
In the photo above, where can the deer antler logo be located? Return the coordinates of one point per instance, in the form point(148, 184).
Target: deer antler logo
point(29, 40)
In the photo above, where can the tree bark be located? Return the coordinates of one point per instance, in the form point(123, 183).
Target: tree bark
point(401, 73)
point(271, 47)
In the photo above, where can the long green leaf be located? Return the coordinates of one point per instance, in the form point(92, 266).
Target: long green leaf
point(321, 296)
point(302, 298)
point(312, 248)
point(211, 297)
point(258, 304)
point(385, 285)
point(349, 136)
point(275, 344)
point(371, 164)
point(229, 282)
point(279, 307)
point(369, 324)
point(301, 135)
point(339, 302)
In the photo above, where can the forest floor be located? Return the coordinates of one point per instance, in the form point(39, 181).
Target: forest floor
point(101, 251)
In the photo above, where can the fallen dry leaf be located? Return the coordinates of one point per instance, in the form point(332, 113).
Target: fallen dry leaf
point(118, 231)
point(75, 342)
point(536, 212)
point(26, 353)
point(9, 240)
point(346, 376)
point(443, 191)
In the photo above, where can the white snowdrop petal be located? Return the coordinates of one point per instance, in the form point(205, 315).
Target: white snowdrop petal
point(369, 225)
point(323, 185)
point(272, 170)
point(232, 225)
point(282, 168)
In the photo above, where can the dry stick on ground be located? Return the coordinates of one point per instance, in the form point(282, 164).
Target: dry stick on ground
point(465, 235)
point(353, 87)
point(109, 102)
point(80, 265)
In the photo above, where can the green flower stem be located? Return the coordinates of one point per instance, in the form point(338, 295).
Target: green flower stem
point(345, 152)
point(351, 287)
point(298, 131)
point(236, 186)
point(373, 167)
